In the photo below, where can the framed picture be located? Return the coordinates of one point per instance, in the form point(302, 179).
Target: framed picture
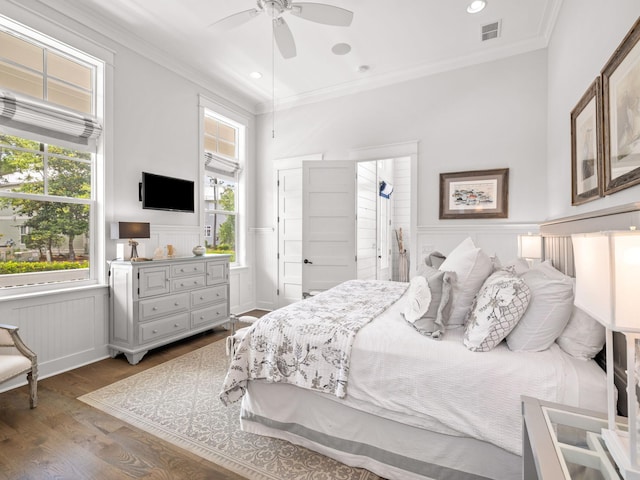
point(586, 146)
point(475, 194)
point(621, 109)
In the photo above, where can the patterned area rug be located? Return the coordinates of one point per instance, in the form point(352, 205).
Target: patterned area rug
point(178, 402)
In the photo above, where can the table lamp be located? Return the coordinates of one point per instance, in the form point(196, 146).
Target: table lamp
point(607, 287)
point(530, 247)
point(130, 230)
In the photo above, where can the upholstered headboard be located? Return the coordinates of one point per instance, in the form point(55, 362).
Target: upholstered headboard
point(558, 249)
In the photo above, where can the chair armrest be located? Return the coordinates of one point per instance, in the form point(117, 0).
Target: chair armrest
point(15, 341)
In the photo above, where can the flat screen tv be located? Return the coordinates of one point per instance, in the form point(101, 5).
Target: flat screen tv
point(158, 192)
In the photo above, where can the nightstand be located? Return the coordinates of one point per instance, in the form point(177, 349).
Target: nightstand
point(561, 442)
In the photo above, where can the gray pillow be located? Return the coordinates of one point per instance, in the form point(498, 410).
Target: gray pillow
point(433, 322)
point(434, 259)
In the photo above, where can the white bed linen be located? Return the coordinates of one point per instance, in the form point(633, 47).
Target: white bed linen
point(390, 449)
point(441, 386)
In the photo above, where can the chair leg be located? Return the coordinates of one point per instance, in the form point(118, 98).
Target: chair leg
point(33, 389)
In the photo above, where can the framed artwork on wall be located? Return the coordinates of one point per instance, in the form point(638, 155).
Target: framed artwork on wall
point(586, 146)
point(475, 194)
point(621, 114)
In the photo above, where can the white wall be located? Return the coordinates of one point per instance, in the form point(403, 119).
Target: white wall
point(587, 33)
point(152, 125)
point(485, 116)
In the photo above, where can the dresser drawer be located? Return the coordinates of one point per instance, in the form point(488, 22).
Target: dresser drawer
point(210, 295)
point(187, 283)
point(164, 327)
point(157, 307)
point(189, 268)
point(209, 315)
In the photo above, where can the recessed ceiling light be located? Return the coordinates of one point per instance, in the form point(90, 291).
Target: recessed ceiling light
point(341, 48)
point(476, 6)
point(255, 75)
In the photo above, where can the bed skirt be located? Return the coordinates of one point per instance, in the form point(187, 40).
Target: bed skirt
point(385, 447)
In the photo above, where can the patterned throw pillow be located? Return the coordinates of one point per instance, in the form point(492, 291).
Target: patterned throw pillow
point(498, 306)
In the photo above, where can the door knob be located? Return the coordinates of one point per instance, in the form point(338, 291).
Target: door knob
point(307, 261)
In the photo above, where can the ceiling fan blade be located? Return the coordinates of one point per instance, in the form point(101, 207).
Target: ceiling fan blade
point(322, 13)
point(235, 20)
point(284, 38)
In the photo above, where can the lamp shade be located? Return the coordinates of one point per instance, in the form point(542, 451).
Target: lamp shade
point(608, 278)
point(530, 246)
point(130, 230)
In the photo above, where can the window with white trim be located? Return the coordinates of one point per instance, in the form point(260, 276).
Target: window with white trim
point(222, 152)
point(50, 129)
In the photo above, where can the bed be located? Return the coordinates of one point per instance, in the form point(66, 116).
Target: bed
point(416, 407)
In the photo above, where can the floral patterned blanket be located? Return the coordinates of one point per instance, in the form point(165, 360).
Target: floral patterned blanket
point(308, 343)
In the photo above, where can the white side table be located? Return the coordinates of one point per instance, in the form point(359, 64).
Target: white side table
point(561, 442)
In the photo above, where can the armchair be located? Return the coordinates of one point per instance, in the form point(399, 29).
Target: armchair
point(16, 358)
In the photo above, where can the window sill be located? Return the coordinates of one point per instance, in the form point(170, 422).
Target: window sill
point(57, 291)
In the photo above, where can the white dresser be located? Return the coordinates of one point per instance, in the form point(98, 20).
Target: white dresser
point(157, 302)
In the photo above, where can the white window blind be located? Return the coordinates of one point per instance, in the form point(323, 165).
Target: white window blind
point(43, 119)
point(220, 165)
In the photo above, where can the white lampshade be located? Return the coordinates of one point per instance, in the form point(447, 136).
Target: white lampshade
point(530, 246)
point(608, 278)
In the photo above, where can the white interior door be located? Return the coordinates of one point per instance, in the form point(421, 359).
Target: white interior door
point(367, 221)
point(328, 224)
point(289, 235)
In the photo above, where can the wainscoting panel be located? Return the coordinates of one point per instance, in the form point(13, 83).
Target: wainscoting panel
point(241, 286)
point(266, 268)
point(494, 239)
point(66, 330)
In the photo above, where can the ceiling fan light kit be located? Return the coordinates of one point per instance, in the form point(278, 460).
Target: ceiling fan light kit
point(314, 12)
point(281, 33)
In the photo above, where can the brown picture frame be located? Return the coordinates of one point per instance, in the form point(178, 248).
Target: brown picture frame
point(475, 194)
point(621, 114)
point(586, 146)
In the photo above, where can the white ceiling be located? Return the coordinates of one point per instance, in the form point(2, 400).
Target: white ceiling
point(398, 40)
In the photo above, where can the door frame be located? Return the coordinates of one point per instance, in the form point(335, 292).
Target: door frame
point(396, 150)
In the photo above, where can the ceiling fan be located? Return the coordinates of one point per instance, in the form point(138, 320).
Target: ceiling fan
point(315, 12)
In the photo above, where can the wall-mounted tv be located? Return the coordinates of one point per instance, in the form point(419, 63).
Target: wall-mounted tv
point(158, 192)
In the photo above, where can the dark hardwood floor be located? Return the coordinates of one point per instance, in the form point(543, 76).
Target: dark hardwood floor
point(64, 438)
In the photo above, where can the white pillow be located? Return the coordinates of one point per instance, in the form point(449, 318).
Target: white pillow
point(583, 336)
point(471, 267)
point(499, 305)
point(548, 312)
point(418, 299)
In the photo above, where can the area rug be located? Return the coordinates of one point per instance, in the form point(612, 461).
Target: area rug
point(178, 402)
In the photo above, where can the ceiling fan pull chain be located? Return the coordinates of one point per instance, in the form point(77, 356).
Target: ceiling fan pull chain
point(273, 77)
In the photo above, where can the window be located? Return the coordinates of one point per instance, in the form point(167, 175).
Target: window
point(48, 160)
point(221, 197)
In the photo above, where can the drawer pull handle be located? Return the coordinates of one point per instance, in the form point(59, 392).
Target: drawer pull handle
point(154, 308)
point(195, 282)
point(177, 325)
point(154, 331)
point(201, 317)
point(182, 284)
point(201, 297)
point(182, 269)
point(217, 294)
point(177, 304)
